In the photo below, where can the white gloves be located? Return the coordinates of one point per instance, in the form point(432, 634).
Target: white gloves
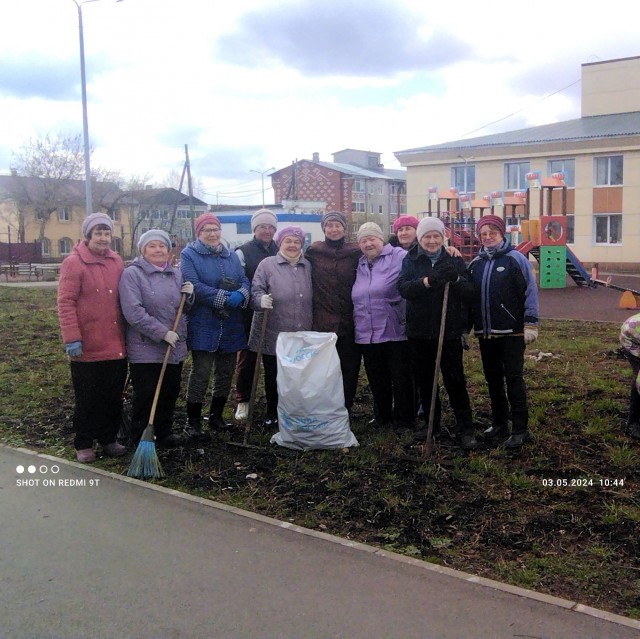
point(530, 334)
point(266, 301)
point(171, 338)
point(187, 288)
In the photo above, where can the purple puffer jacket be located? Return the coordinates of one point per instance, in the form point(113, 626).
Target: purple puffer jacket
point(379, 312)
point(149, 299)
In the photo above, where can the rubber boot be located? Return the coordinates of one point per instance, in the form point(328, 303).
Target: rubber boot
point(519, 430)
point(193, 430)
point(216, 421)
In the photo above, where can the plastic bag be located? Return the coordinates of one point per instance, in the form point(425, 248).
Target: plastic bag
point(311, 411)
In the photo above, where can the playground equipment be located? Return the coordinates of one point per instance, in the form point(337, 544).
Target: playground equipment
point(544, 238)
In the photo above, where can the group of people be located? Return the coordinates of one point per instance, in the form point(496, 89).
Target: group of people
point(383, 300)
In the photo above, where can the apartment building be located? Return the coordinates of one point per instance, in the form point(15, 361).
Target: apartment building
point(598, 153)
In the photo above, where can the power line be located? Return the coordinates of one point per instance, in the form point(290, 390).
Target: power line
point(523, 109)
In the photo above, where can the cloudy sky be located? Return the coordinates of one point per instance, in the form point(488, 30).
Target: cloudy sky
point(249, 84)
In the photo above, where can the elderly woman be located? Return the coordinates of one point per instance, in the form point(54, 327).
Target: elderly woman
point(150, 293)
point(379, 316)
point(426, 269)
point(505, 319)
point(215, 329)
point(92, 330)
point(334, 262)
point(281, 283)
point(404, 228)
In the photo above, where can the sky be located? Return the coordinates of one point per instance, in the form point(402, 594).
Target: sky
point(249, 85)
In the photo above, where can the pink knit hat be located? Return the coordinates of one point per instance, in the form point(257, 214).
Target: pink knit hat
point(205, 218)
point(405, 220)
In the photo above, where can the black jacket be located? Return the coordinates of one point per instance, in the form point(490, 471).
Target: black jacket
point(424, 305)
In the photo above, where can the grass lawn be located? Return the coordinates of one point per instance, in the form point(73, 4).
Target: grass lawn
point(562, 516)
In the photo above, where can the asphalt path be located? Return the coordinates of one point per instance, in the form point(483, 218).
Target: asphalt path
point(87, 554)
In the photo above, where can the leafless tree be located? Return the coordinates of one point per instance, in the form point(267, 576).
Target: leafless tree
point(46, 173)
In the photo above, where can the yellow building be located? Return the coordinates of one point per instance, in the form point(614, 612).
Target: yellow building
point(598, 153)
point(52, 213)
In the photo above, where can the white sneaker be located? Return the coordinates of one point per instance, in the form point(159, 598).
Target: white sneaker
point(242, 412)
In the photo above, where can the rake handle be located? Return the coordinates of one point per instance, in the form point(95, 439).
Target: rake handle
point(256, 374)
point(165, 361)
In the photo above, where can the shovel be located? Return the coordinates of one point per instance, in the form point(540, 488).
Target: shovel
point(426, 451)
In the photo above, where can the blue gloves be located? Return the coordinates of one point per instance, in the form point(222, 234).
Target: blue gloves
point(73, 349)
point(234, 300)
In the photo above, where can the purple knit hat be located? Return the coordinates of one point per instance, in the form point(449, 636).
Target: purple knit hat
point(91, 221)
point(291, 230)
point(494, 220)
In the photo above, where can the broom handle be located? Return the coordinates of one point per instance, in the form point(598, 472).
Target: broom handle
point(434, 388)
point(165, 361)
point(256, 373)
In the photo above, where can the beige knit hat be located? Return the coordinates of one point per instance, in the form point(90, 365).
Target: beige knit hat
point(370, 229)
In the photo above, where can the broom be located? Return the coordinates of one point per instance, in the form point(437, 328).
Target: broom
point(145, 463)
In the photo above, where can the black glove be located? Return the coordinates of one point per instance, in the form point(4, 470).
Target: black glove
point(446, 271)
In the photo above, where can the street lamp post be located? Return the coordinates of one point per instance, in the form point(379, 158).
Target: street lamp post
point(85, 120)
point(273, 168)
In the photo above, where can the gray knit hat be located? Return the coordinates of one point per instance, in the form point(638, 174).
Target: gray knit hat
point(370, 229)
point(93, 220)
point(263, 216)
point(154, 234)
point(333, 216)
point(428, 224)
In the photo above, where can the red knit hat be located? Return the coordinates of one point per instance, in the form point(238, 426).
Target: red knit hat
point(205, 218)
point(494, 220)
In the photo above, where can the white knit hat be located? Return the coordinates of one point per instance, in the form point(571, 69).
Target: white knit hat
point(428, 224)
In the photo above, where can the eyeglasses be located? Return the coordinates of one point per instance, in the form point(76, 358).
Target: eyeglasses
point(214, 230)
point(489, 234)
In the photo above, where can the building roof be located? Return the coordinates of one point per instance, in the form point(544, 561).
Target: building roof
point(359, 171)
point(165, 196)
point(586, 128)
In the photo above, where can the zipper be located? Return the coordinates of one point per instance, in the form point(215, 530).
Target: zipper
point(506, 310)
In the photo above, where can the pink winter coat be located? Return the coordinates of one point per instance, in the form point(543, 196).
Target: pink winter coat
point(89, 305)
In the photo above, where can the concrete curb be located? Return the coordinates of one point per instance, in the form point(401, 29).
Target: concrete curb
point(418, 563)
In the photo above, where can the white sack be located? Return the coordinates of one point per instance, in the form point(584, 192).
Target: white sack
point(311, 411)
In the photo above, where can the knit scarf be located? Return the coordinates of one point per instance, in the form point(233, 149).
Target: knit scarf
point(292, 260)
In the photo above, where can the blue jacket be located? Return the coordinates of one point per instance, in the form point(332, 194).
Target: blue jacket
point(505, 294)
point(208, 328)
point(150, 299)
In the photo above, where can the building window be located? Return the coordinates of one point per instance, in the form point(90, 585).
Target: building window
point(64, 215)
point(184, 214)
point(463, 178)
point(357, 207)
point(380, 209)
point(607, 229)
point(243, 228)
point(114, 215)
point(568, 167)
point(116, 244)
point(359, 186)
point(607, 171)
point(380, 188)
point(570, 229)
point(515, 175)
point(64, 246)
point(46, 247)
point(403, 209)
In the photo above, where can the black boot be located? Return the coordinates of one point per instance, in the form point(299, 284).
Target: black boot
point(216, 421)
point(193, 430)
point(464, 426)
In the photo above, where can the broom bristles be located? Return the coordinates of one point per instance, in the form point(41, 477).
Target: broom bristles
point(145, 463)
